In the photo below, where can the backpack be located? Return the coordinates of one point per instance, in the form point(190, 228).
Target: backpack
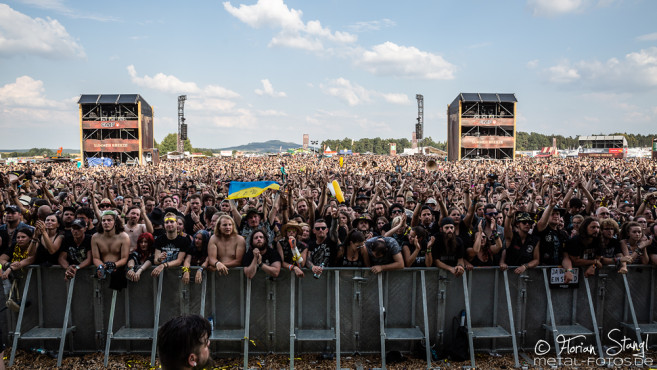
point(457, 348)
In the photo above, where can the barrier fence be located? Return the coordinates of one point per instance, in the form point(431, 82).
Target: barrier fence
point(345, 311)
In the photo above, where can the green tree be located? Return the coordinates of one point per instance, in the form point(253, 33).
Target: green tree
point(170, 144)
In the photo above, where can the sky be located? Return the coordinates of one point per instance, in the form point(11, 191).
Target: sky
point(257, 70)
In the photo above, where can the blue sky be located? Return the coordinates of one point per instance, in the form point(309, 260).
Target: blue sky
point(275, 69)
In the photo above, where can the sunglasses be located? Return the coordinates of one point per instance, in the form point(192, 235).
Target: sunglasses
point(396, 211)
point(525, 222)
point(491, 214)
point(321, 228)
point(104, 205)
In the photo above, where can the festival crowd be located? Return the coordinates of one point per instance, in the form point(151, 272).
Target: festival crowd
point(397, 213)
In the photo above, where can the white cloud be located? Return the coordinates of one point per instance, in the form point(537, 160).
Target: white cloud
point(21, 34)
point(372, 25)
point(272, 113)
point(220, 92)
point(354, 94)
point(162, 82)
point(240, 118)
point(60, 7)
point(532, 64)
point(552, 8)
point(26, 113)
point(405, 61)
point(293, 32)
point(648, 37)
point(210, 105)
point(27, 92)
point(563, 73)
point(396, 98)
point(268, 89)
point(638, 70)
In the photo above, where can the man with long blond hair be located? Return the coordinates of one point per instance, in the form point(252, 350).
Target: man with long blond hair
point(226, 247)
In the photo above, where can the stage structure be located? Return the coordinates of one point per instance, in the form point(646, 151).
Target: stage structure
point(602, 146)
point(481, 126)
point(115, 126)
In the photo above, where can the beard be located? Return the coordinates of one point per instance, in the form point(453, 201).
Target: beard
point(207, 364)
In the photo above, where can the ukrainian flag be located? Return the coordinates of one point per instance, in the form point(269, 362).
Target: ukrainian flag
point(250, 189)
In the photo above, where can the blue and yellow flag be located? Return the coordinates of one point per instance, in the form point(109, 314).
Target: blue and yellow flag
point(251, 189)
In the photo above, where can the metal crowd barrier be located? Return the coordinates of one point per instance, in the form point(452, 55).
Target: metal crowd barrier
point(334, 314)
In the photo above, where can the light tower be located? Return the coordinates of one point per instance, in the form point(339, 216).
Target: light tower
point(419, 126)
point(182, 126)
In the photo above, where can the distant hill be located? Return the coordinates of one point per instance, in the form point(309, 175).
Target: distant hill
point(271, 146)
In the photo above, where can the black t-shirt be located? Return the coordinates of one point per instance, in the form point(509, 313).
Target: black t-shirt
point(178, 245)
point(552, 246)
point(322, 253)
point(652, 248)
point(287, 250)
point(159, 232)
point(189, 223)
point(135, 257)
point(576, 247)
point(43, 256)
point(270, 256)
point(346, 262)
point(421, 255)
point(75, 254)
point(198, 255)
point(444, 254)
point(518, 252)
point(612, 248)
point(5, 241)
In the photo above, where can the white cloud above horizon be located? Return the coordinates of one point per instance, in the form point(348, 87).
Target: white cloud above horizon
point(553, 8)
point(268, 90)
point(354, 94)
point(27, 92)
point(21, 34)
point(636, 71)
point(172, 84)
point(390, 59)
point(293, 32)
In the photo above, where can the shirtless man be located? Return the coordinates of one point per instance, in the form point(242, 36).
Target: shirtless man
point(110, 247)
point(133, 228)
point(226, 247)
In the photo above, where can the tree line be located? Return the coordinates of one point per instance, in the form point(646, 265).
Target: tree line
point(524, 141)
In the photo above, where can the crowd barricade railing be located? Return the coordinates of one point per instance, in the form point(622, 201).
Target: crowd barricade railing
point(574, 328)
point(647, 326)
point(128, 333)
point(259, 308)
point(40, 331)
point(495, 330)
point(222, 318)
point(325, 325)
point(409, 332)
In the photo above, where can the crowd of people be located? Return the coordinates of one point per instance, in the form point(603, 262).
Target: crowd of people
point(126, 221)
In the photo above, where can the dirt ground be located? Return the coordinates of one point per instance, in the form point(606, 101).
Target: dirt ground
point(31, 360)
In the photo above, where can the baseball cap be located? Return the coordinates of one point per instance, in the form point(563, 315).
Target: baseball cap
point(431, 201)
point(79, 223)
point(524, 217)
point(11, 209)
